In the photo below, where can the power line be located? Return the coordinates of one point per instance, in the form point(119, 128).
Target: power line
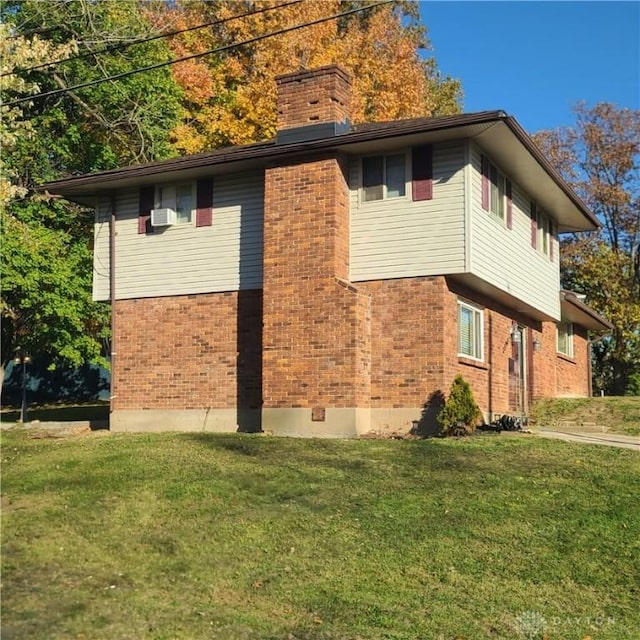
point(124, 45)
point(158, 65)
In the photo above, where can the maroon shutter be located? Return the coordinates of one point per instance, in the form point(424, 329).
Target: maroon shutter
point(507, 188)
point(422, 172)
point(204, 202)
point(145, 204)
point(551, 234)
point(534, 226)
point(485, 183)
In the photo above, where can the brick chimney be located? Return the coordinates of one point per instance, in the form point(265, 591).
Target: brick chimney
point(316, 324)
point(313, 104)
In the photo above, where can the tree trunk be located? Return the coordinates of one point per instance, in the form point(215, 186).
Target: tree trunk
point(620, 377)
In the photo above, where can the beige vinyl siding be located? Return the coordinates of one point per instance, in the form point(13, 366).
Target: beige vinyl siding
point(504, 257)
point(398, 238)
point(183, 259)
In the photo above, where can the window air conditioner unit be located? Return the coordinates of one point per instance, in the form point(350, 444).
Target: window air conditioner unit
point(163, 217)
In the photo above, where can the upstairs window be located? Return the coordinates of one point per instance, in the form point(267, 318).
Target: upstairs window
point(384, 177)
point(470, 331)
point(565, 339)
point(496, 192)
point(541, 231)
point(179, 197)
point(185, 199)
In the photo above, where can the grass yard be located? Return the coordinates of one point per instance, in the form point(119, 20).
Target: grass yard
point(615, 414)
point(198, 536)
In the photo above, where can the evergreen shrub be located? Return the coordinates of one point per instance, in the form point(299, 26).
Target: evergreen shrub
point(460, 414)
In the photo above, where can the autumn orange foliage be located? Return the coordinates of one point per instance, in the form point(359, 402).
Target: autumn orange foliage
point(230, 97)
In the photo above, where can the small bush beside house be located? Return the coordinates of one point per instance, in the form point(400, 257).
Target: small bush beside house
point(460, 415)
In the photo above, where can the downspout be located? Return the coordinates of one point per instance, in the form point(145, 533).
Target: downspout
point(589, 370)
point(112, 293)
point(490, 373)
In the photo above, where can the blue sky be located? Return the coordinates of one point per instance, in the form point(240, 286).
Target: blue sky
point(535, 60)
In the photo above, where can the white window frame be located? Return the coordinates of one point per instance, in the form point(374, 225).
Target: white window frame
point(166, 198)
point(568, 326)
point(477, 346)
point(385, 195)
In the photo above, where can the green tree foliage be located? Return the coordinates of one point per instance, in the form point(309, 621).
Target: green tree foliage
point(460, 415)
point(47, 266)
point(46, 303)
point(600, 157)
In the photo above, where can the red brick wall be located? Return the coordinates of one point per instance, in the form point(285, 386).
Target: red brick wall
point(313, 97)
point(414, 348)
point(545, 359)
point(408, 320)
point(188, 352)
point(316, 326)
point(571, 379)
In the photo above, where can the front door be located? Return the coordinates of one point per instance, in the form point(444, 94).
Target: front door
point(517, 372)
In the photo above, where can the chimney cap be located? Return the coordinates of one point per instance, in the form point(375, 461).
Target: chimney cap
point(329, 69)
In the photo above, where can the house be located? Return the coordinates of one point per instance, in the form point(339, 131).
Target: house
point(333, 280)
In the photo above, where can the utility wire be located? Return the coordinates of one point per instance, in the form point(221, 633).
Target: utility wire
point(168, 34)
point(158, 65)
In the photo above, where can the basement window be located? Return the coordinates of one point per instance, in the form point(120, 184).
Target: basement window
point(384, 177)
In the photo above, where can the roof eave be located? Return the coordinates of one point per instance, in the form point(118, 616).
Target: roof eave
point(526, 140)
point(79, 187)
point(582, 314)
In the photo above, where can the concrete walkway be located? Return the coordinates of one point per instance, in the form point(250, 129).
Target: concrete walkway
point(608, 439)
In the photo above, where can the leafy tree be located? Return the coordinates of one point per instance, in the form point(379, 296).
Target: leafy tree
point(231, 98)
point(600, 156)
point(46, 264)
point(46, 301)
point(15, 52)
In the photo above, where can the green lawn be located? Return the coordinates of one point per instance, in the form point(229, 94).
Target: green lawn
point(243, 537)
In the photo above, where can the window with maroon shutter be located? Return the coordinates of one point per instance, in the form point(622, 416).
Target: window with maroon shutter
point(146, 202)
point(422, 173)
point(508, 191)
point(494, 191)
point(204, 202)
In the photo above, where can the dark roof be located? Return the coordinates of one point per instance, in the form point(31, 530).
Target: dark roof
point(362, 133)
point(575, 310)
